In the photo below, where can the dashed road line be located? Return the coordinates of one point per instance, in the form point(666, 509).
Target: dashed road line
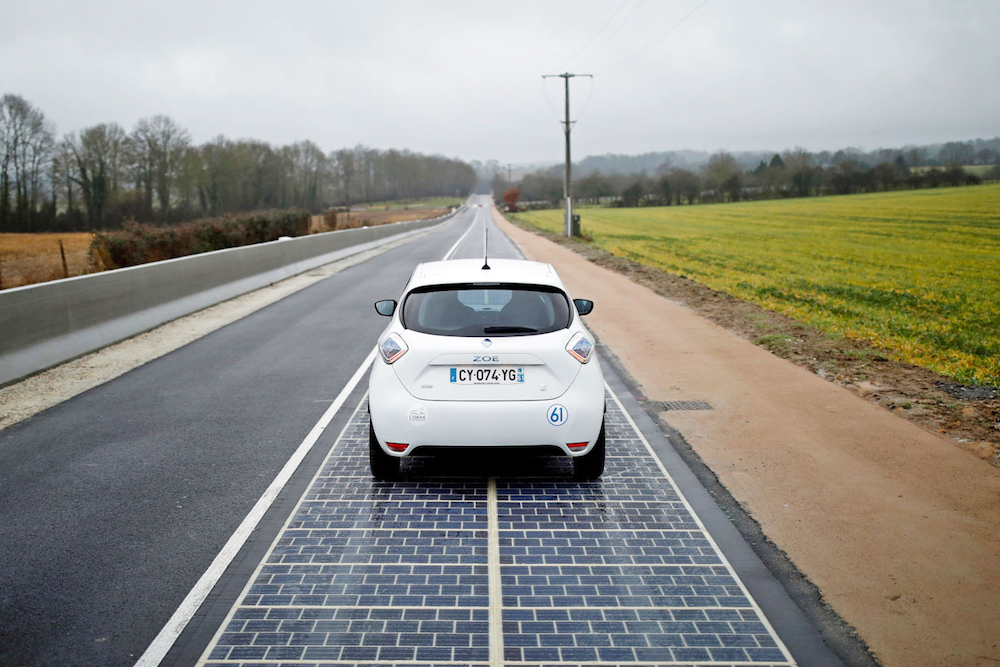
point(451, 251)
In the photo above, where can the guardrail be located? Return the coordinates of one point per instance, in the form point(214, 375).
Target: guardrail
point(50, 323)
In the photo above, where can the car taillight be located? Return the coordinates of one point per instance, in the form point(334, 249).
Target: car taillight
point(577, 445)
point(400, 447)
point(392, 348)
point(580, 347)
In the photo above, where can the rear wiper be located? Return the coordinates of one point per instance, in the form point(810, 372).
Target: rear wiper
point(498, 330)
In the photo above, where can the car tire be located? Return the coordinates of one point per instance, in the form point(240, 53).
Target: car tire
point(590, 466)
point(383, 466)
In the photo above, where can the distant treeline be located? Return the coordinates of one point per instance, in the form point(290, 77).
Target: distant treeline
point(102, 176)
point(794, 173)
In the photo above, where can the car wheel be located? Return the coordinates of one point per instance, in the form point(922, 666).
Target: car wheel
point(383, 466)
point(591, 465)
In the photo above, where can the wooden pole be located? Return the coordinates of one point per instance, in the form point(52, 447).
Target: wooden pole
point(62, 252)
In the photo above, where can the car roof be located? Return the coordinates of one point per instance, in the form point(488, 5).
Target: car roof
point(472, 271)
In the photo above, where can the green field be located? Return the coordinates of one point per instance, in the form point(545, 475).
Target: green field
point(915, 272)
point(426, 202)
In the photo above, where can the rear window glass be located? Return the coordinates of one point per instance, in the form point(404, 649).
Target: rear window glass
point(471, 310)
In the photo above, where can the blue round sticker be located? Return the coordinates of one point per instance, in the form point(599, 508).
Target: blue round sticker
point(558, 415)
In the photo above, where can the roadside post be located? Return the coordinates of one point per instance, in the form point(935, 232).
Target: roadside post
point(62, 253)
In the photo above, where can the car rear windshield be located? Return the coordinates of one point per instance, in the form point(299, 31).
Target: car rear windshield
point(480, 310)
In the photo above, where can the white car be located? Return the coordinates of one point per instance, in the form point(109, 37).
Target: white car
point(479, 356)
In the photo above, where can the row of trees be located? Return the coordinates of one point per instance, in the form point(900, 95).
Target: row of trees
point(794, 173)
point(103, 175)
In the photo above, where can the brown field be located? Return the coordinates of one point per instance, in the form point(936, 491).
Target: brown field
point(372, 218)
point(34, 258)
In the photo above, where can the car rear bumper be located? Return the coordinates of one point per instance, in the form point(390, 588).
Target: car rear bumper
point(398, 417)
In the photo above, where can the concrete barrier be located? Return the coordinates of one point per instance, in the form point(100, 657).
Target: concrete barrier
point(50, 323)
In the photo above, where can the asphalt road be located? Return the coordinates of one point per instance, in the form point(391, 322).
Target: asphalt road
point(113, 503)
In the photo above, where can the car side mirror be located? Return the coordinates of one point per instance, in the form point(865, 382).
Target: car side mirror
point(386, 307)
point(583, 306)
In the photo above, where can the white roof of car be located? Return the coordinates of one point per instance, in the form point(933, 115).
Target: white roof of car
point(472, 271)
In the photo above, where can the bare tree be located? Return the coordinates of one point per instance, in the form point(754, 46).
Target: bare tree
point(172, 142)
point(633, 194)
point(346, 169)
point(684, 183)
point(800, 170)
point(956, 153)
point(724, 176)
point(142, 152)
point(158, 144)
point(99, 156)
point(26, 143)
point(307, 167)
point(63, 184)
point(155, 173)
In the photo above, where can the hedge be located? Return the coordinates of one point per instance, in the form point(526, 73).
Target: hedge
point(138, 243)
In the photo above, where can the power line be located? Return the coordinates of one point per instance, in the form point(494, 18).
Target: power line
point(655, 41)
point(613, 33)
point(590, 96)
point(594, 36)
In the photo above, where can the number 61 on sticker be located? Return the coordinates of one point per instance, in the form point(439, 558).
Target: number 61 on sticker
point(558, 415)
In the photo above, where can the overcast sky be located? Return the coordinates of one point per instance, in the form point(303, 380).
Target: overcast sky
point(463, 78)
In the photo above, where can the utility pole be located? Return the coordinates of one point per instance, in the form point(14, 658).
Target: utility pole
point(568, 178)
point(510, 181)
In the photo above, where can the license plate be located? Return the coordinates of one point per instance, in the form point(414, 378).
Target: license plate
point(487, 375)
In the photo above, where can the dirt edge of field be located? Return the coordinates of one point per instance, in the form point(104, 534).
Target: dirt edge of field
point(893, 525)
point(968, 416)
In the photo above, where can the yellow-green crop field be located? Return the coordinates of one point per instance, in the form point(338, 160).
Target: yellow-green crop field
point(915, 272)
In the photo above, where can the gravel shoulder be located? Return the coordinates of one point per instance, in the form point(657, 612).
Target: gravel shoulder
point(893, 523)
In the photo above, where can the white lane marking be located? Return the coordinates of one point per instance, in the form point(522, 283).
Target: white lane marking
point(493, 570)
point(277, 538)
point(697, 519)
point(172, 630)
point(452, 250)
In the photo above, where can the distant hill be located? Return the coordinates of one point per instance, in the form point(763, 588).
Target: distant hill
point(966, 152)
point(650, 163)
point(653, 163)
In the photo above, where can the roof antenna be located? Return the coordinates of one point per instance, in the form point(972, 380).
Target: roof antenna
point(486, 246)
